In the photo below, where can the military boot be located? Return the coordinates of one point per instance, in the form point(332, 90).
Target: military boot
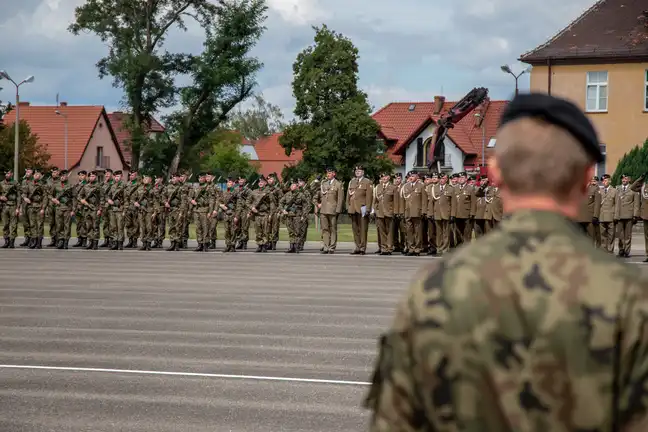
point(130, 243)
point(172, 247)
point(90, 244)
point(120, 245)
point(274, 245)
point(39, 243)
point(32, 243)
point(78, 243)
point(60, 244)
point(291, 249)
point(212, 245)
point(66, 243)
point(25, 242)
point(12, 243)
point(114, 245)
point(106, 243)
point(53, 242)
point(146, 246)
point(200, 248)
point(84, 241)
point(260, 248)
point(6, 243)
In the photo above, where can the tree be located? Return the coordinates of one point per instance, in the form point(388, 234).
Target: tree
point(334, 126)
point(4, 110)
point(261, 120)
point(223, 75)
point(224, 157)
point(634, 163)
point(32, 153)
point(135, 31)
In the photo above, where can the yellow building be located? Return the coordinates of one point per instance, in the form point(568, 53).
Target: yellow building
point(600, 61)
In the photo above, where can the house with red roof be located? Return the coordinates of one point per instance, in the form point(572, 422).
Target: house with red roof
point(271, 156)
point(599, 61)
point(407, 129)
point(90, 142)
point(118, 121)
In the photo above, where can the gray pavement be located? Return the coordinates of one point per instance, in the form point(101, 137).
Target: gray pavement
point(253, 316)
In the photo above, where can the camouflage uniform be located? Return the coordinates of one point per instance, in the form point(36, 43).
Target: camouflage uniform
point(91, 193)
point(228, 206)
point(261, 200)
point(159, 222)
point(35, 211)
point(81, 231)
point(215, 192)
point(303, 224)
point(528, 329)
point(63, 191)
point(277, 193)
point(115, 212)
point(203, 207)
point(131, 215)
point(11, 191)
point(27, 229)
point(50, 213)
point(175, 199)
point(295, 206)
point(109, 236)
point(242, 209)
point(143, 196)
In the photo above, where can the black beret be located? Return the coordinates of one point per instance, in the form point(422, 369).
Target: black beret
point(94, 173)
point(9, 171)
point(625, 175)
point(595, 178)
point(331, 169)
point(262, 178)
point(398, 175)
point(434, 175)
point(359, 167)
point(118, 172)
point(462, 174)
point(29, 169)
point(231, 179)
point(83, 172)
point(64, 172)
point(202, 174)
point(559, 112)
point(37, 170)
point(54, 169)
point(159, 176)
point(605, 176)
point(300, 180)
point(108, 170)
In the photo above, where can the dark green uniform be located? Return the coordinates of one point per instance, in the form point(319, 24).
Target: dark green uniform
point(10, 192)
point(173, 206)
point(261, 205)
point(115, 212)
point(131, 215)
point(203, 206)
point(63, 192)
point(35, 209)
point(91, 194)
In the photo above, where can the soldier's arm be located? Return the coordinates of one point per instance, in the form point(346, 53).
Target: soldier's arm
point(424, 202)
point(481, 191)
point(597, 204)
point(473, 202)
point(617, 205)
point(632, 401)
point(453, 204)
point(348, 197)
point(636, 185)
point(636, 204)
point(340, 198)
point(369, 197)
point(398, 382)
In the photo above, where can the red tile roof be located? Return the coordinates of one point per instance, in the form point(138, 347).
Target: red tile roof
point(400, 126)
point(117, 120)
point(609, 29)
point(272, 156)
point(50, 129)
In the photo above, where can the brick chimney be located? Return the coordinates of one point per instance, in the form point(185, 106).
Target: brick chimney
point(26, 104)
point(63, 104)
point(438, 104)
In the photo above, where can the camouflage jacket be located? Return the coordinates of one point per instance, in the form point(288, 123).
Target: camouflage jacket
point(116, 194)
point(262, 200)
point(529, 328)
point(143, 195)
point(92, 194)
point(10, 190)
point(243, 200)
point(64, 193)
point(37, 193)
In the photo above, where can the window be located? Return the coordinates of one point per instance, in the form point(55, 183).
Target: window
point(646, 90)
point(491, 143)
point(600, 167)
point(420, 153)
point(597, 91)
point(100, 154)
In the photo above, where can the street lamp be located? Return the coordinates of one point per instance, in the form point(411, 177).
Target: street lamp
point(478, 115)
point(66, 135)
point(29, 79)
point(507, 69)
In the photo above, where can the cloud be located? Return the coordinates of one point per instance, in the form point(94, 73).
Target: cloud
point(409, 50)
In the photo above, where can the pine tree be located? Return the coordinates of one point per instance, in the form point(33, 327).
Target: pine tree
point(634, 163)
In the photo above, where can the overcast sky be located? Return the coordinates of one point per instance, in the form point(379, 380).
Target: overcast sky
point(410, 50)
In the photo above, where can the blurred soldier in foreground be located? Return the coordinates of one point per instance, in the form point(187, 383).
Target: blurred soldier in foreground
point(529, 328)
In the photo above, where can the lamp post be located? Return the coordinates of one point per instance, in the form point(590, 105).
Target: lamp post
point(29, 79)
point(507, 69)
point(65, 117)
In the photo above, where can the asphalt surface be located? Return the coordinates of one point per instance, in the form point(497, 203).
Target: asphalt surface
point(255, 316)
point(161, 341)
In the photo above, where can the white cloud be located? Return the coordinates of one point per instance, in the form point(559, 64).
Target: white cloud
point(409, 50)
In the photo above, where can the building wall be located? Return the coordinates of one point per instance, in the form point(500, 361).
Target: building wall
point(625, 124)
point(453, 155)
point(101, 137)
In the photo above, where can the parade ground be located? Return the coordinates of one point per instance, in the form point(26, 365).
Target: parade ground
point(184, 341)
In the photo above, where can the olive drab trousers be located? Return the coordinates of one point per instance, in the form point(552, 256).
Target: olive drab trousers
point(328, 224)
point(63, 219)
point(202, 226)
point(360, 227)
point(414, 234)
point(262, 229)
point(385, 229)
point(9, 220)
point(116, 217)
point(442, 235)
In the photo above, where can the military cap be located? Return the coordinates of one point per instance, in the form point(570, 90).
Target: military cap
point(293, 181)
point(64, 172)
point(202, 174)
point(9, 171)
point(108, 170)
point(273, 174)
point(37, 170)
point(94, 173)
point(461, 174)
point(300, 180)
point(29, 169)
point(231, 179)
point(434, 175)
point(146, 175)
point(54, 169)
point(605, 176)
point(625, 175)
point(384, 173)
point(359, 167)
point(159, 176)
point(262, 178)
point(331, 169)
point(83, 172)
point(559, 112)
point(595, 178)
point(398, 175)
point(118, 172)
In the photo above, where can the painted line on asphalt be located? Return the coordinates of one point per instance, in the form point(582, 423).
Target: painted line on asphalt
point(187, 374)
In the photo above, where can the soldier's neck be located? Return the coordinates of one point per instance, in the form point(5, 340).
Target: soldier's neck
point(512, 204)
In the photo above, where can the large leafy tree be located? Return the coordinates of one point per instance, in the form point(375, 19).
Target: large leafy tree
point(135, 32)
point(5, 107)
point(32, 153)
point(262, 119)
point(634, 163)
point(223, 157)
point(333, 122)
point(223, 75)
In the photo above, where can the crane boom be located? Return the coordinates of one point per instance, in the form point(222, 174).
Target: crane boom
point(447, 121)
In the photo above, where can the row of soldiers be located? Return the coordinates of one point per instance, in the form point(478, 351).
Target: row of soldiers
point(414, 216)
point(610, 213)
point(144, 208)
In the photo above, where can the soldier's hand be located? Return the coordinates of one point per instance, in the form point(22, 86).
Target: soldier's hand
point(616, 221)
point(595, 220)
point(18, 213)
point(42, 211)
point(452, 219)
point(71, 213)
point(635, 220)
